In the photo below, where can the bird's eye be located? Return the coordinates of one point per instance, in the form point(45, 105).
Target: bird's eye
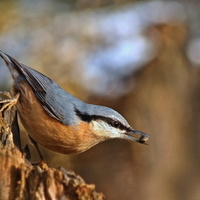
point(116, 124)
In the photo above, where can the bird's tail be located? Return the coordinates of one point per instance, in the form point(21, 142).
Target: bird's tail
point(12, 64)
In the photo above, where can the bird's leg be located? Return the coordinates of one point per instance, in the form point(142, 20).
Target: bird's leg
point(9, 103)
point(37, 147)
point(42, 162)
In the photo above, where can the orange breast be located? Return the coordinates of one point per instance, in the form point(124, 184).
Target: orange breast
point(48, 131)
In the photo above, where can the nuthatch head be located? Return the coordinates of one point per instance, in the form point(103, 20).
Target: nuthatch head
point(59, 121)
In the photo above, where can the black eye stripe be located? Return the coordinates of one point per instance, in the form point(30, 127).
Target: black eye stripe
point(112, 122)
point(84, 117)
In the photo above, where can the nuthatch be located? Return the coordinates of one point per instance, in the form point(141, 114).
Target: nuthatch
point(59, 121)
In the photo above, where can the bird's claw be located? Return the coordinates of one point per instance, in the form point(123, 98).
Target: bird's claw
point(10, 102)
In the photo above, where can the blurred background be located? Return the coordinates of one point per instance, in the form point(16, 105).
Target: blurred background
point(142, 58)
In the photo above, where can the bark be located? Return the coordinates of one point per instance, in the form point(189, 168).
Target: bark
point(20, 180)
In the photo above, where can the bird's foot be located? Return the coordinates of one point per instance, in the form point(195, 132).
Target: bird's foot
point(42, 164)
point(10, 102)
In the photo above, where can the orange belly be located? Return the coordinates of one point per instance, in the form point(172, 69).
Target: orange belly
point(48, 131)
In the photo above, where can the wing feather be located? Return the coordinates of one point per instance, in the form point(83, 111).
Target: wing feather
point(40, 84)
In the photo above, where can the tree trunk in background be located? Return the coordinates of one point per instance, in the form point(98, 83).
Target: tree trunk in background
point(166, 98)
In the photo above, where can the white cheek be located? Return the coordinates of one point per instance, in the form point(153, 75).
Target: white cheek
point(105, 130)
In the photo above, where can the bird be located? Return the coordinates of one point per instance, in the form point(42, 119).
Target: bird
point(58, 120)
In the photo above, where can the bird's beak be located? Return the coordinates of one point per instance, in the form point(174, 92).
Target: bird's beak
point(137, 136)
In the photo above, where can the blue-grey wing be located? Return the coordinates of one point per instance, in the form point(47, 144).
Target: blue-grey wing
point(50, 95)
